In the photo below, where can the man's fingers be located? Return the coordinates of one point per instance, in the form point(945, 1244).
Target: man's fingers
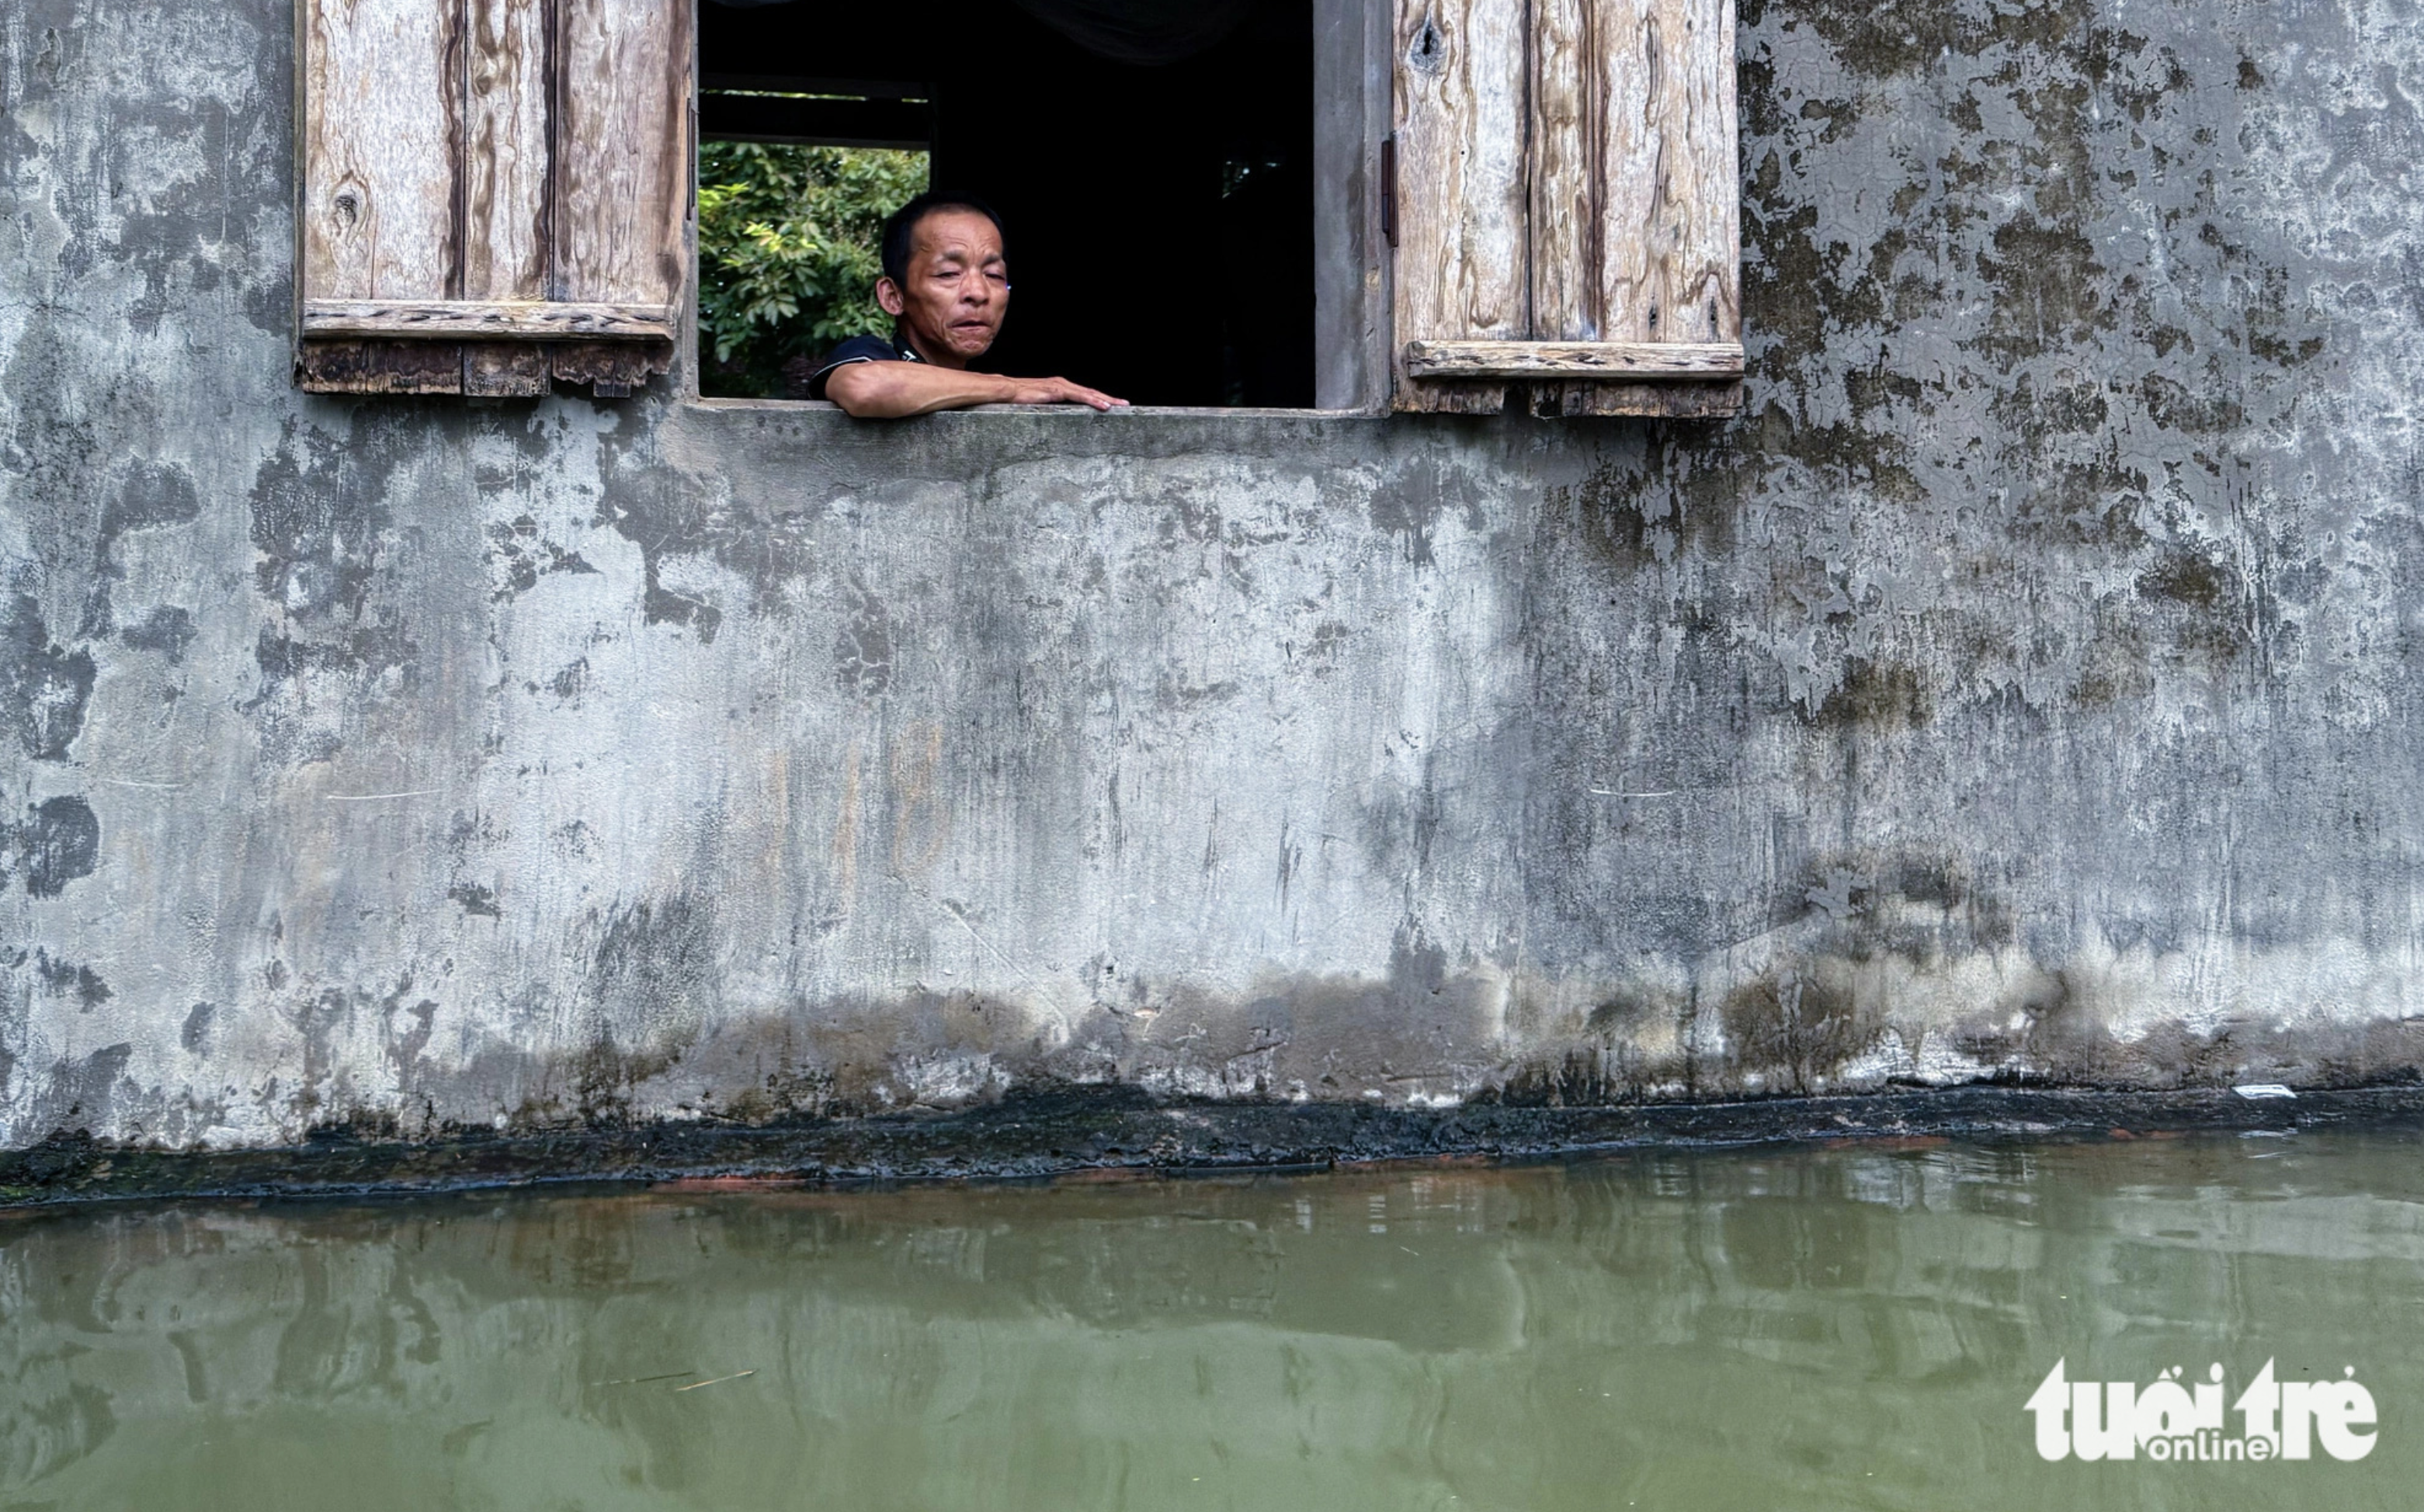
point(1062, 391)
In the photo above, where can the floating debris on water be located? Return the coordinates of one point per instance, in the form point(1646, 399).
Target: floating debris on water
point(642, 1381)
point(717, 1381)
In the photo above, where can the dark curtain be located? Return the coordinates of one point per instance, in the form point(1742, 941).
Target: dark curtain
point(1127, 31)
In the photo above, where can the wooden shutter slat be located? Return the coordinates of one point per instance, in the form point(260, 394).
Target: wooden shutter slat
point(375, 217)
point(380, 367)
point(507, 369)
point(378, 133)
point(546, 320)
point(622, 169)
point(611, 369)
point(1460, 132)
point(506, 151)
point(1567, 220)
point(1672, 189)
point(1656, 401)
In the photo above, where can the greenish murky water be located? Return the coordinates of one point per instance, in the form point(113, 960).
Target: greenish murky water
point(1854, 1327)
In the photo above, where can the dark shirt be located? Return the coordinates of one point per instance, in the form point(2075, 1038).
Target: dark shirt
point(859, 349)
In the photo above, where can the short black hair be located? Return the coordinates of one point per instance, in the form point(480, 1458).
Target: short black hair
point(903, 224)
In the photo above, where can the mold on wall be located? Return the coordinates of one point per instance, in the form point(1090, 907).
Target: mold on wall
point(2024, 688)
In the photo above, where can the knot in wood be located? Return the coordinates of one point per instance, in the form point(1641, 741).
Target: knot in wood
point(1428, 54)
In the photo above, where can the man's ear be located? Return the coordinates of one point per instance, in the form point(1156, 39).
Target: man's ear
point(888, 293)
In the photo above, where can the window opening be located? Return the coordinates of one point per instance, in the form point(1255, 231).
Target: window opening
point(1153, 163)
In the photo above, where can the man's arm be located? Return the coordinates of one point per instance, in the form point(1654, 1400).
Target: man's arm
point(895, 390)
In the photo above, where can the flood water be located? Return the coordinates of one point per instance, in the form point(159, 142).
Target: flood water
point(1851, 1328)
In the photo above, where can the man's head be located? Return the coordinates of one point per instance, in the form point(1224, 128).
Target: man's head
point(944, 278)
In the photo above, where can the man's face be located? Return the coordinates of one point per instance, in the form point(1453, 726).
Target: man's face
point(957, 287)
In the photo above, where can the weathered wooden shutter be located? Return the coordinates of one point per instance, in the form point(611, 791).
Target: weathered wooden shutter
point(495, 193)
point(1566, 211)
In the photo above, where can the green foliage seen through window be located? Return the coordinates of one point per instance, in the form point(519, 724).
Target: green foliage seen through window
point(787, 253)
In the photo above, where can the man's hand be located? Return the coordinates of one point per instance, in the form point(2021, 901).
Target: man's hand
point(895, 390)
point(1057, 391)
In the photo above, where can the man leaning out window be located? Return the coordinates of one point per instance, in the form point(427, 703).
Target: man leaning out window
point(946, 284)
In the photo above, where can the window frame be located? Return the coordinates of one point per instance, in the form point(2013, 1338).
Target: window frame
point(1353, 80)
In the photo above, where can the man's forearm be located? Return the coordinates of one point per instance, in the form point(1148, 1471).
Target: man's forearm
point(896, 390)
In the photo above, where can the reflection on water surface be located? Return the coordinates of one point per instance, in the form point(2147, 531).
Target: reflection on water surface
point(1835, 1328)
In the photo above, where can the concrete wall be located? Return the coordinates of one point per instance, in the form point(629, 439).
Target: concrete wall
point(2028, 682)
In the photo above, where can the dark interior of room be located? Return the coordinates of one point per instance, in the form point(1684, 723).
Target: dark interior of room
point(1159, 214)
